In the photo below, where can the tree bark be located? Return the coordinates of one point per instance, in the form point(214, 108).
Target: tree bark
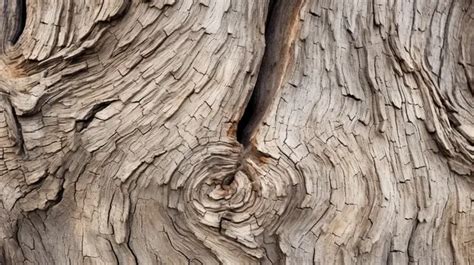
point(236, 132)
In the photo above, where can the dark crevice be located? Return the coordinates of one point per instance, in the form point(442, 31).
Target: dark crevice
point(58, 198)
point(15, 130)
point(245, 120)
point(83, 123)
point(20, 20)
point(19, 133)
point(281, 28)
point(242, 127)
point(228, 180)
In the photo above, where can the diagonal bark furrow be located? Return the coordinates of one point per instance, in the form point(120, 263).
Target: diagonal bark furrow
point(281, 32)
point(83, 123)
point(14, 126)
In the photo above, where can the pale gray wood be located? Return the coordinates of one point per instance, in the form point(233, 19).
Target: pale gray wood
point(237, 132)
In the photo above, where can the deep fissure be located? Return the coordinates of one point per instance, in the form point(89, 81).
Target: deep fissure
point(20, 20)
point(89, 117)
point(249, 112)
point(19, 137)
point(15, 128)
point(281, 27)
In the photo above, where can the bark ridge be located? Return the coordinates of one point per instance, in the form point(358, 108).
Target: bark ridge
point(236, 132)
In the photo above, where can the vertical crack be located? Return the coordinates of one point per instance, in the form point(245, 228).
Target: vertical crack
point(281, 32)
point(20, 20)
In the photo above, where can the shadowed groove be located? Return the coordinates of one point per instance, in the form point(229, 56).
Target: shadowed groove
point(282, 27)
point(20, 20)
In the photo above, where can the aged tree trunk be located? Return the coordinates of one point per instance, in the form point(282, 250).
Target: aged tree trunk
point(236, 132)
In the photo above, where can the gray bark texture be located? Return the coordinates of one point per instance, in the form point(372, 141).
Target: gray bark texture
point(236, 132)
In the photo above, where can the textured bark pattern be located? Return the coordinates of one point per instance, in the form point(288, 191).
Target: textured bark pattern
point(236, 132)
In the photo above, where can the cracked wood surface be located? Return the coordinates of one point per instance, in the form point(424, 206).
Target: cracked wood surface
point(236, 132)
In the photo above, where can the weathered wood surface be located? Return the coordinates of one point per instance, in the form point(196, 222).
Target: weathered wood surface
point(206, 132)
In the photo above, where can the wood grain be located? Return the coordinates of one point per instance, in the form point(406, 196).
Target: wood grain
point(236, 132)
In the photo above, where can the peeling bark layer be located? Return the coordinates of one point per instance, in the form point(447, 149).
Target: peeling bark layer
point(222, 131)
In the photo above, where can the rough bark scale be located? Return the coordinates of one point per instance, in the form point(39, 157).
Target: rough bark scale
point(157, 131)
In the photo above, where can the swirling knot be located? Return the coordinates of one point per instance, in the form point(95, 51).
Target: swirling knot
point(221, 191)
